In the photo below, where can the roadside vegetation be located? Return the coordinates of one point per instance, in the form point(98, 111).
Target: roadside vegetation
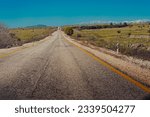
point(5, 38)
point(31, 34)
point(128, 39)
point(68, 30)
point(19, 36)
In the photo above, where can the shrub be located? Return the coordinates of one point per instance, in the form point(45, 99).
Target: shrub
point(129, 34)
point(5, 38)
point(69, 31)
point(118, 31)
point(78, 35)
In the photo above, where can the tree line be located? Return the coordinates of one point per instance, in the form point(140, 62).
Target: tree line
point(111, 25)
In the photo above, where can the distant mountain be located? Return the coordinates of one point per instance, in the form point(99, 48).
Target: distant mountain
point(37, 26)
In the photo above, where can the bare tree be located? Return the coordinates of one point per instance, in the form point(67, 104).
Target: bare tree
point(5, 38)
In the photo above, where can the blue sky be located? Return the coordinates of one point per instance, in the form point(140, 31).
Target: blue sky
point(16, 13)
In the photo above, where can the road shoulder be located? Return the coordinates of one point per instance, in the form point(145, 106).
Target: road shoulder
point(134, 70)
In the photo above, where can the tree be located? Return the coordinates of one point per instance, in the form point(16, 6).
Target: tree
point(125, 24)
point(69, 31)
point(5, 38)
point(111, 24)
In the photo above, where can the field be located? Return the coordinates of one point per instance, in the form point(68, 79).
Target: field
point(31, 34)
point(133, 40)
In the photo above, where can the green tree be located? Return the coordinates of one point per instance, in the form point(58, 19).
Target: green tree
point(69, 31)
point(125, 24)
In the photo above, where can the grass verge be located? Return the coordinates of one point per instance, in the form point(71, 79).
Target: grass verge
point(133, 40)
point(26, 35)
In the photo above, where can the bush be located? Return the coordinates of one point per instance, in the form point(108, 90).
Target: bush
point(118, 31)
point(5, 38)
point(78, 35)
point(69, 31)
point(129, 34)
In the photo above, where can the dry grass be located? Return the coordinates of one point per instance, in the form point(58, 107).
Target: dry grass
point(126, 37)
point(31, 34)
